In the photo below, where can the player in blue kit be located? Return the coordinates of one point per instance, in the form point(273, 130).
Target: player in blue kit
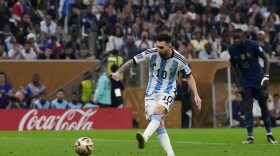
point(165, 65)
point(251, 80)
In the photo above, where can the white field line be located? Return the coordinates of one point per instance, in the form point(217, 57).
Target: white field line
point(111, 140)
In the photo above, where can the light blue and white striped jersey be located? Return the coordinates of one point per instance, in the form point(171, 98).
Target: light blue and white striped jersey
point(163, 73)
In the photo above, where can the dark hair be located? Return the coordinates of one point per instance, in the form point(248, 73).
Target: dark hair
point(164, 37)
point(238, 30)
point(4, 74)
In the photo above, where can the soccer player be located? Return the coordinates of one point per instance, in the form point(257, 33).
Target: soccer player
point(165, 63)
point(251, 80)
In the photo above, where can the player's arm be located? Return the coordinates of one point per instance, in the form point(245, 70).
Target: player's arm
point(125, 67)
point(141, 57)
point(236, 72)
point(192, 84)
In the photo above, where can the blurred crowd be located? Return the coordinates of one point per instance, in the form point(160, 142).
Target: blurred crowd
point(91, 29)
point(117, 30)
point(103, 92)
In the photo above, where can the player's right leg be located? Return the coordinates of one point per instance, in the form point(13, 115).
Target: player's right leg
point(249, 121)
point(154, 116)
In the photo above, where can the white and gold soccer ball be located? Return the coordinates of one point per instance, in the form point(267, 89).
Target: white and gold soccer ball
point(84, 146)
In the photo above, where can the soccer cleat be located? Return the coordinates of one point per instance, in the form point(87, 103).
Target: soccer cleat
point(248, 141)
point(141, 140)
point(271, 139)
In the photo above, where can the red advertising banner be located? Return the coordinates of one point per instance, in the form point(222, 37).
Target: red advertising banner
point(65, 119)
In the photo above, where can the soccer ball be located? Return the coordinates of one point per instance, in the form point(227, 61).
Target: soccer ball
point(84, 146)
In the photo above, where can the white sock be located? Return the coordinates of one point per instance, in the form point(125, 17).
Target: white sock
point(164, 140)
point(152, 127)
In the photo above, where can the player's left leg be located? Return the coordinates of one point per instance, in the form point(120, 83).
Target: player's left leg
point(265, 115)
point(164, 140)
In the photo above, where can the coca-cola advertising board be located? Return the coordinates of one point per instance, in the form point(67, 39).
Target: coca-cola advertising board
point(65, 119)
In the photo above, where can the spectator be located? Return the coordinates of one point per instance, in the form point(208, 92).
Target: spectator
point(15, 53)
point(117, 89)
point(18, 101)
point(144, 43)
point(115, 41)
point(238, 21)
point(77, 9)
point(221, 25)
point(263, 43)
point(59, 33)
point(145, 10)
point(74, 102)
point(114, 58)
point(274, 109)
point(209, 53)
point(276, 53)
point(41, 37)
point(48, 26)
point(84, 54)
point(47, 55)
point(27, 53)
point(32, 38)
point(41, 102)
point(54, 45)
point(35, 88)
point(24, 28)
point(198, 42)
point(5, 14)
point(4, 89)
point(163, 9)
point(128, 49)
point(68, 53)
point(86, 88)
point(60, 102)
point(19, 9)
point(184, 96)
point(89, 28)
point(102, 93)
point(238, 113)
point(3, 52)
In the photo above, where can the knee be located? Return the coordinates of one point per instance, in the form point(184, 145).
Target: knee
point(159, 110)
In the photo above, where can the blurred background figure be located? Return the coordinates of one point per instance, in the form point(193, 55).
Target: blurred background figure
point(238, 113)
point(102, 93)
point(86, 88)
point(274, 109)
point(74, 101)
point(41, 102)
point(4, 89)
point(35, 88)
point(117, 89)
point(60, 102)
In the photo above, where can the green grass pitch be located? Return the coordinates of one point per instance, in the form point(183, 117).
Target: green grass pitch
point(185, 142)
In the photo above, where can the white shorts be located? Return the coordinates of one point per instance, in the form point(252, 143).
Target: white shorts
point(164, 99)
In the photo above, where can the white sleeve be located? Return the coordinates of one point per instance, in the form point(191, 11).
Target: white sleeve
point(142, 57)
point(185, 70)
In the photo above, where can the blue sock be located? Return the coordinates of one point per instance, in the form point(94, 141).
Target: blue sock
point(249, 123)
point(161, 131)
point(266, 120)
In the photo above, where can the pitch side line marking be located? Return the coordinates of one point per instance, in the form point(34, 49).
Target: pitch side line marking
point(111, 140)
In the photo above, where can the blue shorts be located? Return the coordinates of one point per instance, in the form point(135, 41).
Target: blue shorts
point(251, 93)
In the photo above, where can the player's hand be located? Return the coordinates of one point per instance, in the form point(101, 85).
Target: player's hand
point(116, 76)
point(265, 81)
point(198, 102)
